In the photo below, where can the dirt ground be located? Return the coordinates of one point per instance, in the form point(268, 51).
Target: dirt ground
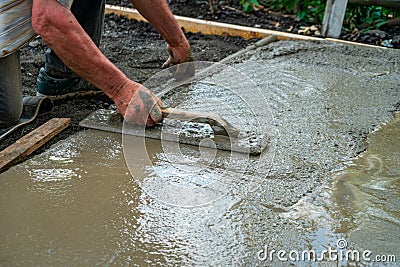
point(135, 47)
point(230, 11)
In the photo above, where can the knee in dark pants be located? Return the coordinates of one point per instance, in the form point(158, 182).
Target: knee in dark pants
point(9, 115)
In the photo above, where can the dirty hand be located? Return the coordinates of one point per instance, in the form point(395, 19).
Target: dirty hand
point(179, 55)
point(139, 105)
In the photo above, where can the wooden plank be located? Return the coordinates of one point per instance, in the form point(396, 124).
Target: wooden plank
point(27, 144)
point(218, 28)
point(353, 43)
point(333, 18)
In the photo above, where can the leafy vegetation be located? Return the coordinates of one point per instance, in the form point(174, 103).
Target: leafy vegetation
point(249, 5)
point(368, 17)
point(356, 17)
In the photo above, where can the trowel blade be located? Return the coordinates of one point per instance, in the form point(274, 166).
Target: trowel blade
point(185, 132)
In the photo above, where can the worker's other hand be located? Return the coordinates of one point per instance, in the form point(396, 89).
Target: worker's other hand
point(138, 105)
point(179, 55)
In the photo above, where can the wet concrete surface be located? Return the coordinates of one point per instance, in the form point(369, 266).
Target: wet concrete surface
point(366, 194)
point(89, 200)
point(360, 203)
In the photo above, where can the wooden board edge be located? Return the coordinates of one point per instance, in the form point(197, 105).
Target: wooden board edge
point(30, 142)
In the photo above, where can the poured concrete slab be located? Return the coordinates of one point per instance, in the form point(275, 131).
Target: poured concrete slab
point(90, 200)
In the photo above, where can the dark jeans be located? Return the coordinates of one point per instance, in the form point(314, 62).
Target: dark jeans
point(90, 15)
point(10, 90)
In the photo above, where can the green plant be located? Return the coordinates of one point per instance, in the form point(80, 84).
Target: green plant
point(367, 17)
point(356, 17)
point(249, 5)
point(310, 11)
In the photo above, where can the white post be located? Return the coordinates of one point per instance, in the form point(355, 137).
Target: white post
point(333, 18)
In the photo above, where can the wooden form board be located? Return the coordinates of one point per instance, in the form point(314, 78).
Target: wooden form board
point(218, 28)
point(27, 144)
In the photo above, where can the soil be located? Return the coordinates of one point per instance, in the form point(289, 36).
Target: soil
point(135, 47)
point(230, 11)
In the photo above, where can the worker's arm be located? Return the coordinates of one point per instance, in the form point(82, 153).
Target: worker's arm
point(62, 32)
point(160, 16)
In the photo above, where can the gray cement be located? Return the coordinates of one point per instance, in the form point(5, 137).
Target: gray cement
point(79, 204)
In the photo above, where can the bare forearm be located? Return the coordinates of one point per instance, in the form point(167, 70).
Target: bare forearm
point(159, 15)
point(70, 42)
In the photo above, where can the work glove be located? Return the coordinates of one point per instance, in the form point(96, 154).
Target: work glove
point(178, 55)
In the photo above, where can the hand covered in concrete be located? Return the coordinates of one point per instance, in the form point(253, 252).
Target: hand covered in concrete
point(138, 105)
point(180, 55)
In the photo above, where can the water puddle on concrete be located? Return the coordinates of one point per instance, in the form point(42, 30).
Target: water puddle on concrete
point(60, 207)
point(360, 206)
point(77, 204)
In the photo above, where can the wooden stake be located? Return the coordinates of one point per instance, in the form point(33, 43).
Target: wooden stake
point(333, 18)
point(27, 144)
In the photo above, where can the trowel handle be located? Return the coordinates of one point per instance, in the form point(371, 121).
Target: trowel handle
point(217, 123)
point(179, 114)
